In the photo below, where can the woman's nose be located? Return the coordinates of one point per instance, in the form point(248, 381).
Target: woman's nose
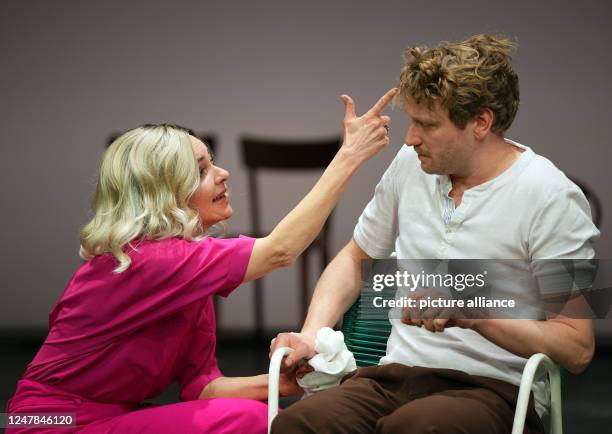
point(221, 175)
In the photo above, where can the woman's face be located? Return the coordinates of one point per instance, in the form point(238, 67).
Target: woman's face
point(211, 199)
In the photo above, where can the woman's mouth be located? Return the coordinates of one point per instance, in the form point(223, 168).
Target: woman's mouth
point(220, 197)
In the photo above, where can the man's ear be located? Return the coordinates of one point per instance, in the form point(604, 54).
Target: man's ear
point(483, 122)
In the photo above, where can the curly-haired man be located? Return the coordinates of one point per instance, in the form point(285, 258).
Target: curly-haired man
point(457, 189)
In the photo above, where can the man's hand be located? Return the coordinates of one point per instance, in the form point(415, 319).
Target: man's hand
point(303, 348)
point(434, 318)
point(366, 135)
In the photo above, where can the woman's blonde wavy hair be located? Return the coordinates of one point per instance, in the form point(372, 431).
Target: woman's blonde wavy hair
point(465, 77)
point(147, 177)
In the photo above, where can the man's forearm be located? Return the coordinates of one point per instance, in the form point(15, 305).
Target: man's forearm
point(336, 290)
point(568, 342)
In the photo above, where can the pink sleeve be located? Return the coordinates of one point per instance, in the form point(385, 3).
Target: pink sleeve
point(201, 370)
point(164, 277)
point(215, 265)
point(170, 276)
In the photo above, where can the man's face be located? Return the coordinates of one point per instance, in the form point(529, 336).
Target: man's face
point(443, 149)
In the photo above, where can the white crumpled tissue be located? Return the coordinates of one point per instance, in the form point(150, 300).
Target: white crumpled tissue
point(332, 362)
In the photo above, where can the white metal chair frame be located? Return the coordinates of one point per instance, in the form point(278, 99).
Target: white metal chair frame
point(521, 405)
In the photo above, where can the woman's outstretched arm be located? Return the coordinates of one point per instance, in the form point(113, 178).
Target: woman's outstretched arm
point(255, 387)
point(364, 136)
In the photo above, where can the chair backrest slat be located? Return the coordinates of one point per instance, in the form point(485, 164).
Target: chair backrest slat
point(366, 330)
point(288, 154)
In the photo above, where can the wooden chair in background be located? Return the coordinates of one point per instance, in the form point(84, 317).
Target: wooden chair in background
point(260, 154)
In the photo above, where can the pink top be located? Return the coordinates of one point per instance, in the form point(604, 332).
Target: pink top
point(123, 338)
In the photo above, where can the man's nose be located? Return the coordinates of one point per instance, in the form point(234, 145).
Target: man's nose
point(412, 138)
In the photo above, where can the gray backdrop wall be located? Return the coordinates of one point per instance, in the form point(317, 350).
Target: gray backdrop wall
point(74, 71)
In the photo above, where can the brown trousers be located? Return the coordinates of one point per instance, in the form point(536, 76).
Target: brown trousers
point(396, 398)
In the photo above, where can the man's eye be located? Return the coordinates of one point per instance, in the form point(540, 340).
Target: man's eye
point(423, 124)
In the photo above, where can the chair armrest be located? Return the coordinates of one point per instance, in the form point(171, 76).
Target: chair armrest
point(525, 390)
point(273, 382)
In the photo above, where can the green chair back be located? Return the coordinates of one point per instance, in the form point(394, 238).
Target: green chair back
point(366, 329)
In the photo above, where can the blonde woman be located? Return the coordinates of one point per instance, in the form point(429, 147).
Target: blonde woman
point(138, 315)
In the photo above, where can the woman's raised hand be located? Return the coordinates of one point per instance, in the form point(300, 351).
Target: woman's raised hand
point(366, 135)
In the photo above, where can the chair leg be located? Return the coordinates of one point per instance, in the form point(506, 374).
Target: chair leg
point(324, 244)
point(217, 306)
point(259, 326)
point(304, 284)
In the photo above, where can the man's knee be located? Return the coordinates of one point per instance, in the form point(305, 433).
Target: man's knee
point(415, 421)
point(391, 426)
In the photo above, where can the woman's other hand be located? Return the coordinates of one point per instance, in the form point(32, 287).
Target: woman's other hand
point(287, 385)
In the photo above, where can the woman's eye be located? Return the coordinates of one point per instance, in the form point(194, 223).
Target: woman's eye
point(202, 171)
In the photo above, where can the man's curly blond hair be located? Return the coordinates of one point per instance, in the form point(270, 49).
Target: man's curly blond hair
point(465, 77)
